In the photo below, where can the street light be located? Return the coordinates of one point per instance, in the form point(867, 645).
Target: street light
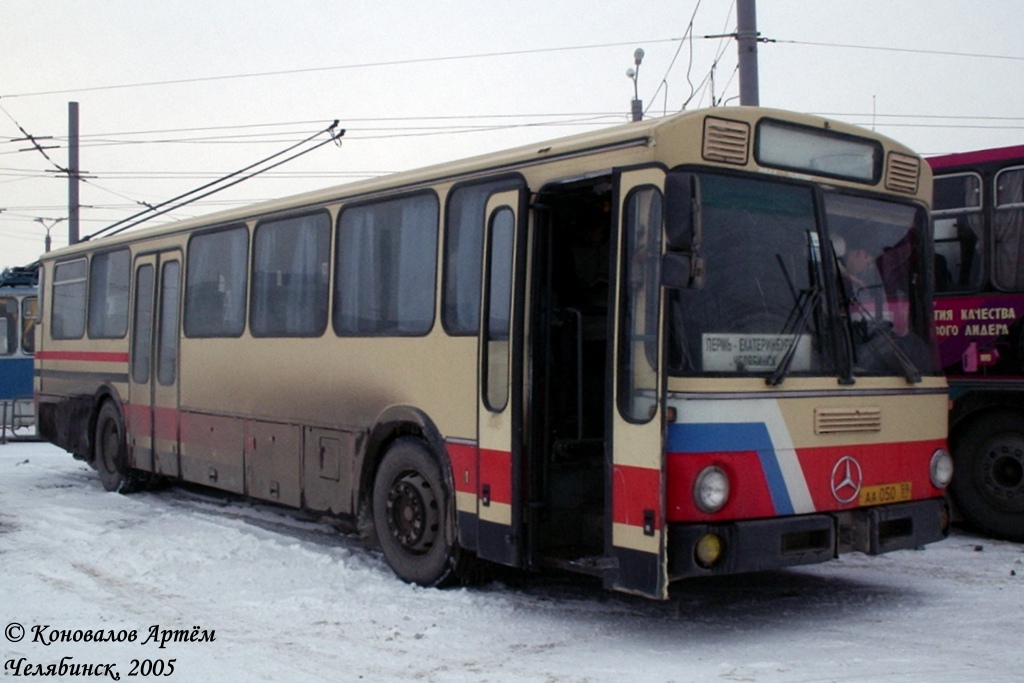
point(633, 75)
point(42, 221)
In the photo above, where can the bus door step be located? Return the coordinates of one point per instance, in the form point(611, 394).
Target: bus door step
point(592, 566)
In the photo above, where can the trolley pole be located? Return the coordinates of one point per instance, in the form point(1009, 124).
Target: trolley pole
point(746, 39)
point(73, 173)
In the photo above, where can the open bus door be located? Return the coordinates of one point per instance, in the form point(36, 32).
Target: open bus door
point(500, 372)
point(153, 386)
point(636, 531)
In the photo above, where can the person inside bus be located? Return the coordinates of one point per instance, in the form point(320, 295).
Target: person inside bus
point(861, 269)
point(858, 266)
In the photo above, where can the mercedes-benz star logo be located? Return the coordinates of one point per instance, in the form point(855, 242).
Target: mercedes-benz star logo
point(846, 479)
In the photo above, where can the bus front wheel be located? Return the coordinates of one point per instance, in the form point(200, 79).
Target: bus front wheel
point(413, 515)
point(110, 455)
point(988, 480)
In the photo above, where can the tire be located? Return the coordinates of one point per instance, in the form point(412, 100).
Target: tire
point(988, 479)
point(414, 516)
point(110, 453)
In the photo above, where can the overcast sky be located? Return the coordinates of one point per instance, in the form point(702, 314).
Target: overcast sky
point(172, 94)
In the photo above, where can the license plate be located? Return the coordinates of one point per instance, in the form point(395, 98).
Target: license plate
point(885, 493)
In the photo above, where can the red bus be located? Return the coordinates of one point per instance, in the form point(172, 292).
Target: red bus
point(979, 314)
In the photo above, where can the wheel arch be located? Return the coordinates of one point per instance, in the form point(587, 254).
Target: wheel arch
point(105, 393)
point(394, 423)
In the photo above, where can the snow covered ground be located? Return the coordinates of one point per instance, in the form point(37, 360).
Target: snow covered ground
point(291, 600)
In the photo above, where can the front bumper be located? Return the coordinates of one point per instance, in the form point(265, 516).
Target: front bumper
point(763, 544)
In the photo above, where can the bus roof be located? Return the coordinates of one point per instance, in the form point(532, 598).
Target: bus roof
point(976, 157)
point(645, 133)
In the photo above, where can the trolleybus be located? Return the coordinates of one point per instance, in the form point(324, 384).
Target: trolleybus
point(640, 354)
point(18, 302)
point(979, 316)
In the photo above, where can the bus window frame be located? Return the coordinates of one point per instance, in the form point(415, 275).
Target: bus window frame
point(29, 322)
point(191, 334)
point(996, 209)
point(335, 293)
point(9, 327)
point(978, 212)
point(499, 183)
point(94, 328)
point(628, 360)
point(54, 308)
point(250, 304)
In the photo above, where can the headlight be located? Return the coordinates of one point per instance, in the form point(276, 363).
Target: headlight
point(711, 490)
point(941, 469)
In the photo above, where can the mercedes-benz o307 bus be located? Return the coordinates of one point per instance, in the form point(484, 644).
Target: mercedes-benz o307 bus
point(979, 318)
point(640, 354)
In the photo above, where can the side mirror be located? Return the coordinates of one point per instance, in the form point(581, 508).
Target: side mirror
point(682, 270)
point(682, 211)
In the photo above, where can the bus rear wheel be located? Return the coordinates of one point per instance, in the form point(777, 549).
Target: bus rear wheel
point(414, 515)
point(988, 484)
point(110, 453)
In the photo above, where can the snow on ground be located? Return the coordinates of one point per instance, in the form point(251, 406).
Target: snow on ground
point(293, 600)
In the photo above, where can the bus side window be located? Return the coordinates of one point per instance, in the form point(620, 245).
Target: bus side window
point(8, 325)
point(108, 295)
point(958, 229)
point(463, 251)
point(386, 264)
point(29, 314)
point(641, 277)
point(68, 309)
point(217, 275)
point(1009, 230)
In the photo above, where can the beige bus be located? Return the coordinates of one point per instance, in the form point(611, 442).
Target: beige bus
point(684, 347)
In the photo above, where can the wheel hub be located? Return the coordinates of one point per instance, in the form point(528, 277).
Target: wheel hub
point(412, 512)
point(1003, 470)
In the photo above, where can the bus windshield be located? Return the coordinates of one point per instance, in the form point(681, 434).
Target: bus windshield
point(766, 306)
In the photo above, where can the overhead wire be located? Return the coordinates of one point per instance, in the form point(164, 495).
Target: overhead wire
point(700, 90)
point(364, 65)
point(664, 79)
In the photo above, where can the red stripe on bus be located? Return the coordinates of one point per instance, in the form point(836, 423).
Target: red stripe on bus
point(137, 421)
point(636, 491)
point(163, 424)
point(496, 473)
point(89, 356)
point(463, 459)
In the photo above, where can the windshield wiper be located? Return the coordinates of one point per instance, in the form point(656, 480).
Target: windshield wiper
point(910, 370)
point(798, 318)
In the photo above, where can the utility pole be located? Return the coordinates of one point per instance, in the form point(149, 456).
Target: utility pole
point(73, 173)
point(746, 39)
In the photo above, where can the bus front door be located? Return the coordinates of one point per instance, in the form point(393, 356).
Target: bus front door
point(500, 371)
point(636, 523)
point(153, 434)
